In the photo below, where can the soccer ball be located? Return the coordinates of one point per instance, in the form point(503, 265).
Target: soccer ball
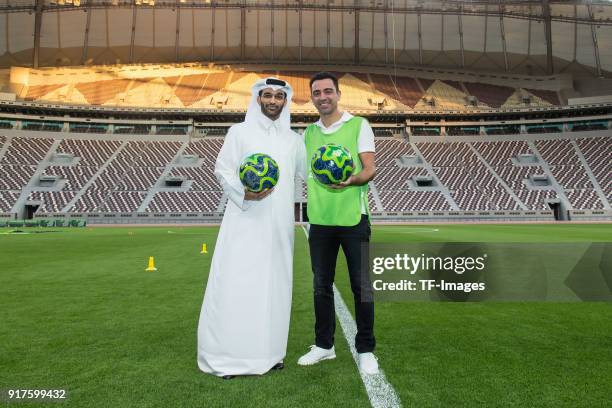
point(259, 172)
point(331, 164)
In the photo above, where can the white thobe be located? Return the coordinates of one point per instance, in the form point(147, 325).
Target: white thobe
point(244, 322)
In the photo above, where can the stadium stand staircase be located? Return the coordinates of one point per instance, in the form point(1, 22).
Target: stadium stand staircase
point(375, 197)
point(222, 203)
point(443, 189)
point(40, 169)
point(5, 146)
point(497, 177)
point(589, 172)
point(299, 193)
point(157, 187)
point(556, 186)
point(93, 179)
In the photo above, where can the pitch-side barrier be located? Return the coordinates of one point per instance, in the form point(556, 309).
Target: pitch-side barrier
point(407, 216)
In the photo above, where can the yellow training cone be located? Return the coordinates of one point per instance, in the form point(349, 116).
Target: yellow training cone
point(151, 267)
point(204, 251)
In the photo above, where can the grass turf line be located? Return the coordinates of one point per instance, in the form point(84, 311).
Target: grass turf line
point(79, 312)
point(494, 354)
point(83, 315)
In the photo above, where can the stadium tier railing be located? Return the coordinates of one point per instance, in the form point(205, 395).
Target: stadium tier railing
point(137, 218)
point(414, 125)
point(411, 216)
point(590, 215)
point(377, 217)
point(6, 217)
point(451, 216)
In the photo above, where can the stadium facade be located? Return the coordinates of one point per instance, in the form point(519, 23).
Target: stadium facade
point(113, 111)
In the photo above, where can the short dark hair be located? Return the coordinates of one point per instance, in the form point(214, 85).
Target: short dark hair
point(325, 75)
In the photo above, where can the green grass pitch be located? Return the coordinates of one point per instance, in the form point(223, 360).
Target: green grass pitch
point(78, 312)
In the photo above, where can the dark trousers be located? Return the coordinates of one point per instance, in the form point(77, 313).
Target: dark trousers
point(325, 242)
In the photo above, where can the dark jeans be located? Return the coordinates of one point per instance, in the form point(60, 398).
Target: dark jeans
point(325, 242)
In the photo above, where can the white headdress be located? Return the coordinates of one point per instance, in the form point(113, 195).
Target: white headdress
point(254, 113)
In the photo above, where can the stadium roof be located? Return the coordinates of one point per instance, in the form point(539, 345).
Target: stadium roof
point(527, 37)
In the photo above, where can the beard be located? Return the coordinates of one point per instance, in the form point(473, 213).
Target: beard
point(273, 113)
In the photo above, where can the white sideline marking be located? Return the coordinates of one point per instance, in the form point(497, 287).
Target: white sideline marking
point(380, 392)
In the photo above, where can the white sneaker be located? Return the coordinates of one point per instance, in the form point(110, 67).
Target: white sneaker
point(368, 363)
point(316, 354)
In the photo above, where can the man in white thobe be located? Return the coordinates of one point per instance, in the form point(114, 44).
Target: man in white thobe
point(244, 322)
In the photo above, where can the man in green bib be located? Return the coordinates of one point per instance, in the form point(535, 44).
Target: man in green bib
point(338, 217)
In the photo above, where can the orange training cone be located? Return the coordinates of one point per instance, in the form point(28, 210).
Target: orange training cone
point(204, 251)
point(151, 267)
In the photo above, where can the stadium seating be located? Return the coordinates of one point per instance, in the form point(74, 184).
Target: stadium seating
point(203, 177)
point(110, 176)
point(556, 152)
point(396, 178)
point(584, 199)
point(139, 178)
point(472, 199)
point(567, 170)
point(536, 199)
point(491, 95)
point(190, 201)
point(597, 153)
point(40, 91)
point(157, 154)
point(100, 92)
point(216, 81)
point(413, 201)
point(549, 96)
point(206, 149)
point(76, 177)
point(26, 151)
point(7, 200)
point(14, 177)
point(90, 201)
point(385, 85)
point(188, 89)
point(388, 151)
point(51, 201)
point(123, 201)
point(446, 154)
point(444, 96)
point(90, 152)
point(392, 181)
point(409, 91)
point(571, 177)
point(118, 184)
point(228, 87)
point(515, 177)
point(500, 153)
point(300, 83)
point(476, 186)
